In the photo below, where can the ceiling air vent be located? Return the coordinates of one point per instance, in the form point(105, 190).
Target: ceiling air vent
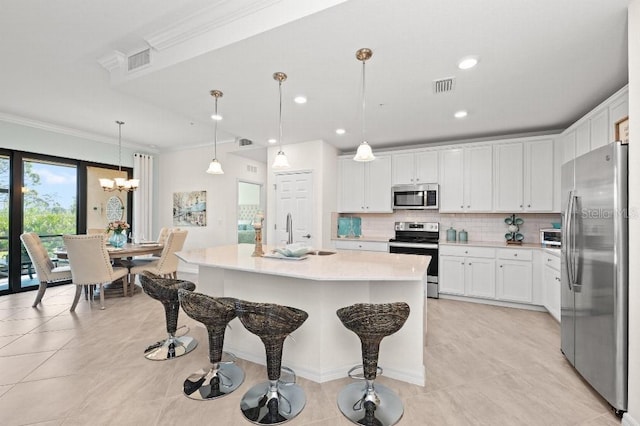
point(244, 142)
point(444, 85)
point(138, 60)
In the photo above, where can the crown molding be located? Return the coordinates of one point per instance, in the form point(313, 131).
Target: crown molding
point(203, 22)
point(55, 128)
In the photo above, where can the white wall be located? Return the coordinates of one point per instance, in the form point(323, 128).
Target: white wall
point(320, 158)
point(633, 415)
point(248, 193)
point(184, 171)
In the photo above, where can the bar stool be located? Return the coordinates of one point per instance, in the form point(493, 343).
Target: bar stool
point(165, 290)
point(219, 378)
point(371, 404)
point(275, 401)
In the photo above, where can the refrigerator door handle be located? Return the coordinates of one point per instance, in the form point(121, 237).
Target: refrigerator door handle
point(566, 238)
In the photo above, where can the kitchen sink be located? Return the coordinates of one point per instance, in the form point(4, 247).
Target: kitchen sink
point(322, 252)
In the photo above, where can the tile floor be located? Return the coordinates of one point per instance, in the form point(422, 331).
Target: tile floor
point(485, 365)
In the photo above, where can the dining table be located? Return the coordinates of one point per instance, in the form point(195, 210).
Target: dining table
point(120, 257)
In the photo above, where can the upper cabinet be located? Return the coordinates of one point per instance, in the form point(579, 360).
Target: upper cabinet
point(466, 179)
point(365, 187)
point(524, 176)
point(415, 168)
point(596, 128)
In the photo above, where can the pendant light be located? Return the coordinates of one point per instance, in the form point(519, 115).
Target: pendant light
point(119, 184)
point(280, 162)
point(215, 168)
point(364, 152)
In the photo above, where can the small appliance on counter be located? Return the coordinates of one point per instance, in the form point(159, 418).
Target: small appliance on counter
point(349, 227)
point(551, 237)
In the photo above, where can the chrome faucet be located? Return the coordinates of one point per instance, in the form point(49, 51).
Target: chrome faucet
point(289, 229)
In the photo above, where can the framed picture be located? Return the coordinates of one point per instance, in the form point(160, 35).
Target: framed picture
point(190, 208)
point(622, 130)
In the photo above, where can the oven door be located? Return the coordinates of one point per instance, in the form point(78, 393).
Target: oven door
point(424, 250)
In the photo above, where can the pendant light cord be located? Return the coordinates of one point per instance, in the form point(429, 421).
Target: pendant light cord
point(363, 101)
point(280, 114)
point(215, 132)
point(120, 123)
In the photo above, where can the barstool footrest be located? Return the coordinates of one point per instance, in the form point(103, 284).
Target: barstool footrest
point(170, 348)
point(259, 408)
point(213, 382)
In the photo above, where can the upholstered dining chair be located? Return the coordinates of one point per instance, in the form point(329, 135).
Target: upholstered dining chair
point(46, 271)
point(167, 264)
point(90, 264)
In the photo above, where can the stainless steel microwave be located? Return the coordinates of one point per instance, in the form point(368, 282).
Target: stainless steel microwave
point(415, 197)
point(551, 237)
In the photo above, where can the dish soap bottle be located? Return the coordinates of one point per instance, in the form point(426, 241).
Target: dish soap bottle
point(451, 234)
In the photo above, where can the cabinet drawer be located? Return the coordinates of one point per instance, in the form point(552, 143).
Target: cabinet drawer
point(515, 254)
point(551, 261)
point(467, 251)
point(362, 245)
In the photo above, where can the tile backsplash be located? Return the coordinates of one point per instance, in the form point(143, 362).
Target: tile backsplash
point(480, 226)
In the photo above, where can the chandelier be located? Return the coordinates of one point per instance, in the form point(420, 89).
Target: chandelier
point(364, 152)
point(215, 168)
point(119, 184)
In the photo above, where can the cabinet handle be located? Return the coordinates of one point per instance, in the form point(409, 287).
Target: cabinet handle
point(528, 205)
point(515, 254)
point(468, 207)
point(411, 179)
point(462, 207)
point(462, 263)
point(549, 259)
point(417, 179)
point(466, 252)
point(469, 263)
point(521, 205)
point(557, 278)
point(501, 266)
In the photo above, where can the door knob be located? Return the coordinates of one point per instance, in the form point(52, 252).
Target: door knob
point(306, 236)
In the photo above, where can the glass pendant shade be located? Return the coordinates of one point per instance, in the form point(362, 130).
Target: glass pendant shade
point(215, 168)
point(364, 153)
point(280, 162)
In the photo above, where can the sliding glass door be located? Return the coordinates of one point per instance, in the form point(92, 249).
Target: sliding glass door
point(49, 208)
point(5, 182)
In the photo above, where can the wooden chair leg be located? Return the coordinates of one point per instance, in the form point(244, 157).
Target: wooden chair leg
point(41, 289)
point(125, 285)
point(76, 298)
point(101, 296)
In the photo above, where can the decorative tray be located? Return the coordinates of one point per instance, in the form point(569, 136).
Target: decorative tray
point(280, 256)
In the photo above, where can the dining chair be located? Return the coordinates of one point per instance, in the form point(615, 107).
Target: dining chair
point(167, 264)
point(90, 264)
point(46, 271)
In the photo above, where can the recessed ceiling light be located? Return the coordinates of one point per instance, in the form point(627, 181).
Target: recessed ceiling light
point(300, 100)
point(272, 140)
point(460, 114)
point(216, 117)
point(341, 131)
point(468, 62)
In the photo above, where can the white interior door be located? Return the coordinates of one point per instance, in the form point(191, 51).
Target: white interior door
point(294, 194)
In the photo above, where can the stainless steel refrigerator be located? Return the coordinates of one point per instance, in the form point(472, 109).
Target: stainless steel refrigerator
point(594, 309)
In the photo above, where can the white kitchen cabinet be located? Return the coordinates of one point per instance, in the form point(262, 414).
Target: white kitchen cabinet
point(467, 271)
point(599, 125)
point(365, 187)
point(466, 179)
point(568, 142)
point(583, 138)
point(415, 168)
point(524, 173)
point(515, 275)
point(551, 284)
point(618, 109)
point(362, 245)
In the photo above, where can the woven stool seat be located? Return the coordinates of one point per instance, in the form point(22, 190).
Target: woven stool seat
point(165, 290)
point(271, 402)
point(369, 403)
point(218, 378)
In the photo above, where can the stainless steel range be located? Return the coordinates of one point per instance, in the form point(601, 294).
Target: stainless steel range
point(419, 238)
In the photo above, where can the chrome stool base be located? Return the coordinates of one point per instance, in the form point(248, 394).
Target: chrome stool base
point(213, 382)
point(172, 347)
point(383, 408)
point(263, 406)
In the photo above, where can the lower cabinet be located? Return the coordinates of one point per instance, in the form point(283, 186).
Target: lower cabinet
point(361, 245)
point(467, 271)
point(551, 284)
point(515, 275)
point(490, 273)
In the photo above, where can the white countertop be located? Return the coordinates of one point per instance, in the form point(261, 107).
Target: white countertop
point(345, 265)
point(499, 244)
point(372, 238)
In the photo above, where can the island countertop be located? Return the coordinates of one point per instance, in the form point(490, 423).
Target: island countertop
point(344, 265)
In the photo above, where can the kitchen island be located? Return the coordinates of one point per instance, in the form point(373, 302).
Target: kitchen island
point(322, 349)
